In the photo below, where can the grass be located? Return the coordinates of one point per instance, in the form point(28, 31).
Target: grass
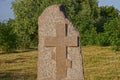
point(100, 63)
point(18, 66)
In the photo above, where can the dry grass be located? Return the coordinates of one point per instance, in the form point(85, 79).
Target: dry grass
point(18, 66)
point(100, 63)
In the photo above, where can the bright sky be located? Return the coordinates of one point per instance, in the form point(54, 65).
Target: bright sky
point(115, 3)
point(6, 11)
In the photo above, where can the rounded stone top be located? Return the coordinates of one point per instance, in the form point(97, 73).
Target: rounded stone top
point(54, 13)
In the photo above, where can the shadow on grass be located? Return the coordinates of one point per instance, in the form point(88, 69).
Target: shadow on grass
point(15, 75)
point(18, 51)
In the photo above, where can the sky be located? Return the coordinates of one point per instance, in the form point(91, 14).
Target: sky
point(115, 3)
point(6, 12)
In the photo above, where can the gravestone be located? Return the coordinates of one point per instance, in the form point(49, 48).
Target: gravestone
point(59, 56)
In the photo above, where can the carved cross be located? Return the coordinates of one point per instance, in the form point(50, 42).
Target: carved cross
point(61, 42)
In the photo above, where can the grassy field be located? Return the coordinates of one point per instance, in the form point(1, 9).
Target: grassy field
point(100, 63)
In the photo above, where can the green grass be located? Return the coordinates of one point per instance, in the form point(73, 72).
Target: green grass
point(100, 63)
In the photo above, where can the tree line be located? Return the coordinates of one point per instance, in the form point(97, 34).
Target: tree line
point(97, 25)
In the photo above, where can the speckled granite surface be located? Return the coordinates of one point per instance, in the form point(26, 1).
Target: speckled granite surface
point(48, 58)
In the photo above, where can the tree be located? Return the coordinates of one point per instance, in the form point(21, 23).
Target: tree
point(106, 13)
point(90, 20)
point(112, 28)
point(7, 36)
point(27, 12)
point(26, 15)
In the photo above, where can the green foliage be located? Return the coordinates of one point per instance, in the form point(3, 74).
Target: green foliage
point(105, 13)
point(26, 20)
point(102, 39)
point(26, 15)
point(112, 28)
point(92, 21)
point(108, 12)
point(25, 23)
point(7, 37)
point(97, 25)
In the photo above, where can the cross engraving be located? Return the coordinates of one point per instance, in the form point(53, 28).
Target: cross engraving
point(61, 42)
